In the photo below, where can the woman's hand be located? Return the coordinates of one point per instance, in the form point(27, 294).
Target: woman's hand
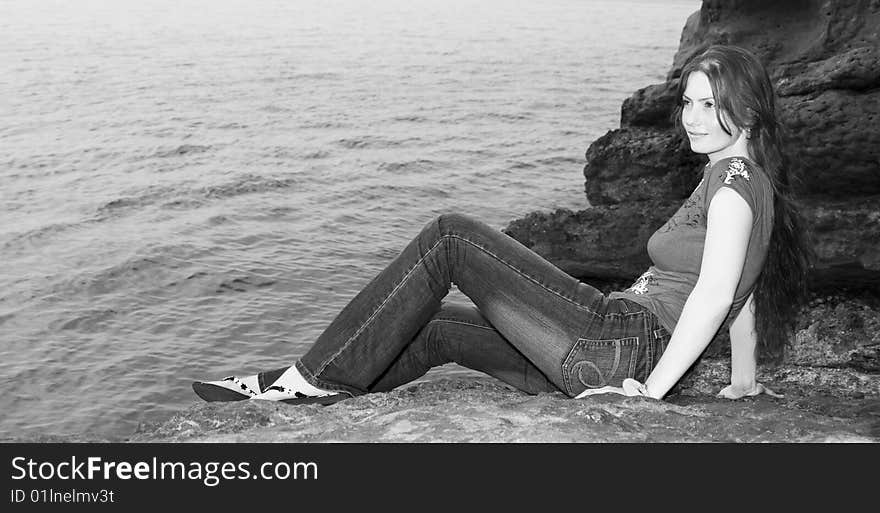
point(604, 390)
point(734, 392)
point(630, 388)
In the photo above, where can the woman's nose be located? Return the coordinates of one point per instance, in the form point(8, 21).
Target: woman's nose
point(688, 117)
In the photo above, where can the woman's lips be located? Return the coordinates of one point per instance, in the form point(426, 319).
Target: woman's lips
point(695, 134)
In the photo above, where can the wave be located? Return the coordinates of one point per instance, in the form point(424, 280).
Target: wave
point(411, 119)
point(377, 193)
point(522, 165)
point(483, 116)
point(183, 204)
point(248, 184)
point(38, 234)
point(183, 149)
point(143, 271)
point(161, 271)
point(413, 166)
point(175, 198)
point(88, 322)
point(561, 161)
point(318, 75)
point(147, 197)
point(523, 116)
point(275, 109)
point(230, 126)
point(243, 284)
point(323, 124)
point(353, 143)
point(313, 155)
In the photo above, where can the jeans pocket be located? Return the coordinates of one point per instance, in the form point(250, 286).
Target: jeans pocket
point(597, 363)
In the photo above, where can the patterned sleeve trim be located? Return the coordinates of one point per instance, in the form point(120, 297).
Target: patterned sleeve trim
point(735, 168)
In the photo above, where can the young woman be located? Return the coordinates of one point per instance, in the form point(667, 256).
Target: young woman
point(733, 250)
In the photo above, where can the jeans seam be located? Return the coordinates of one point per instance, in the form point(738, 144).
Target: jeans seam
point(378, 309)
point(466, 323)
point(524, 274)
point(315, 381)
point(633, 359)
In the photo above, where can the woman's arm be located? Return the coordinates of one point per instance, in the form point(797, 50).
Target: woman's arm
point(743, 341)
point(743, 358)
point(728, 227)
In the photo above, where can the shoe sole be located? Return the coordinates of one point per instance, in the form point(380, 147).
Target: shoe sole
point(215, 393)
point(324, 401)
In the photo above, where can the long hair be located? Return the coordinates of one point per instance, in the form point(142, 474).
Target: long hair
point(745, 98)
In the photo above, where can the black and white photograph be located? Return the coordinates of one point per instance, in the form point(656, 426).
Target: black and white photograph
point(439, 222)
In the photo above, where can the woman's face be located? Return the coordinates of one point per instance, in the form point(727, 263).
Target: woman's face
point(698, 115)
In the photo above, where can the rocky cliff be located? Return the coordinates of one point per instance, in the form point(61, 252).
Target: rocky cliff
point(824, 60)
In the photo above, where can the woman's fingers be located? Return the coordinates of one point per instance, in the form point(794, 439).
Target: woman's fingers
point(729, 392)
point(764, 390)
point(630, 388)
point(604, 390)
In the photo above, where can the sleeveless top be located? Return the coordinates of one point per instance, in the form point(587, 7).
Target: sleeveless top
point(676, 249)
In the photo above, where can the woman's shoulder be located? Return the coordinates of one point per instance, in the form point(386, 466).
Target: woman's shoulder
point(730, 169)
point(744, 176)
point(740, 173)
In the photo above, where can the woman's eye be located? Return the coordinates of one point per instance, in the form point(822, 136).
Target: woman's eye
point(709, 105)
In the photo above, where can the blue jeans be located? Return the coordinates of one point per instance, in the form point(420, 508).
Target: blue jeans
point(533, 326)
